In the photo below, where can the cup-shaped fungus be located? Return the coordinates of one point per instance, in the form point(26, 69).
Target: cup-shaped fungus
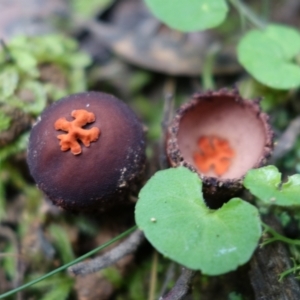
point(87, 151)
point(220, 136)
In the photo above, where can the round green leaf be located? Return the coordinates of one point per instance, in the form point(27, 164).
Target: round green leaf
point(189, 15)
point(265, 183)
point(172, 213)
point(267, 56)
point(287, 37)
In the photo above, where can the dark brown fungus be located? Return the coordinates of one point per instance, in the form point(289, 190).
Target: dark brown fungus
point(87, 151)
point(220, 136)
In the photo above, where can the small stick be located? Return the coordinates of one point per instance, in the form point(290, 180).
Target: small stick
point(128, 246)
point(153, 276)
point(168, 277)
point(267, 264)
point(169, 91)
point(181, 287)
point(287, 139)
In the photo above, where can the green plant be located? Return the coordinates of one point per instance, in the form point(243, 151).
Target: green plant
point(266, 185)
point(268, 53)
point(171, 208)
point(49, 66)
point(112, 159)
point(35, 71)
point(65, 266)
point(276, 47)
point(189, 16)
point(173, 214)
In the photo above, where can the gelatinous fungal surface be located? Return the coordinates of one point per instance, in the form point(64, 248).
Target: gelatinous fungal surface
point(220, 136)
point(74, 131)
point(213, 154)
point(87, 151)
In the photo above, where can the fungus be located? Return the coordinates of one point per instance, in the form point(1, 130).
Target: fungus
point(220, 136)
point(87, 151)
point(215, 153)
point(75, 131)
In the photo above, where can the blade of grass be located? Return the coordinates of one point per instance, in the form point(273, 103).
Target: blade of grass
point(64, 267)
point(153, 277)
point(208, 67)
point(248, 13)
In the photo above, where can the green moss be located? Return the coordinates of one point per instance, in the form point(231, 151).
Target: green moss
point(37, 69)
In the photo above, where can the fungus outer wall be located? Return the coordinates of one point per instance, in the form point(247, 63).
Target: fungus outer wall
point(104, 172)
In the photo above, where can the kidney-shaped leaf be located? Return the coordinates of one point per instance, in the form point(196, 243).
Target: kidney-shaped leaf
point(189, 15)
point(265, 184)
point(267, 55)
point(172, 213)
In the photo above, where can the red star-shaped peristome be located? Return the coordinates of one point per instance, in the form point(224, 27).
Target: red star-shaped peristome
point(215, 154)
point(75, 132)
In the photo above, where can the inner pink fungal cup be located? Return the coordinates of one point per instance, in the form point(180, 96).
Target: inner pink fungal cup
point(220, 136)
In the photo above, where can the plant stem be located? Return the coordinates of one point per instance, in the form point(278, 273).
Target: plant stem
point(287, 272)
point(248, 13)
point(64, 267)
point(266, 9)
point(153, 276)
point(277, 237)
point(208, 66)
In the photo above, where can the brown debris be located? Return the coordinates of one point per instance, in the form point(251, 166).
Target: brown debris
point(93, 287)
point(20, 122)
point(267, 264)
point(109, 258)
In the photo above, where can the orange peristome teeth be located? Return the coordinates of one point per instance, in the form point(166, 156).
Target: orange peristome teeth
point(215, 154)
point(75, 131)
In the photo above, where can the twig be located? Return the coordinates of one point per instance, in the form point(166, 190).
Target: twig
point(169, 91)
point(169, 276)
point(126, 247)
point(153, 276)
point(287, 140)
point(267, 264)
point(181, 287)
point(66, 266)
